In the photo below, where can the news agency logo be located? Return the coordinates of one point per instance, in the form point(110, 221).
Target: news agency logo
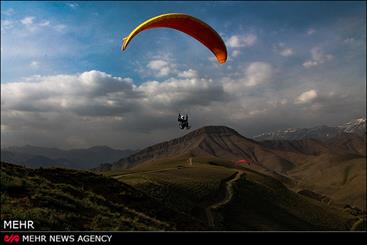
point(11, 238)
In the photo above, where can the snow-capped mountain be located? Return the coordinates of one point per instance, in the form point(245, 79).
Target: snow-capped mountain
point(356, 126)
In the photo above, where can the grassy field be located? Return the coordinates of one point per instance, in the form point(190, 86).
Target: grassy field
point(186, 188)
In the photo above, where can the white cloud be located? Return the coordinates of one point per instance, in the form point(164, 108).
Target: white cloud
point(32, 24)
point(188, 74)
point(28, 20)
point(239, 41)
point(257, 73)
point(74, 92)
point(157, 64)
point(161, 67)
point(306, 97)
point(318, 57)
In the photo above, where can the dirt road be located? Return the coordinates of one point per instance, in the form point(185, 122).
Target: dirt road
point(227, 198)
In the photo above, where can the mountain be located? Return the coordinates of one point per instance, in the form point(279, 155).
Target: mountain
point(293, 162)
point(218, 143)
point(356, 126)
point(341, 144)
point(34, 156)
point(334, 168)
point(33, 161)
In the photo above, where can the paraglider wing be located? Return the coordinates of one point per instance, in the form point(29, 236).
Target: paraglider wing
point(189, 25)
point(242, 162)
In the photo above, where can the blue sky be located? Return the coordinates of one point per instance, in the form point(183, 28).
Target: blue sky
point(92, 32)
point(309, 57)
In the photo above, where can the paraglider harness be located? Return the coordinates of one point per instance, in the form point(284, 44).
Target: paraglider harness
point(183, 122)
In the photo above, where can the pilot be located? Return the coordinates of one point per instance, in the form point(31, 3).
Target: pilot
point(183, 121)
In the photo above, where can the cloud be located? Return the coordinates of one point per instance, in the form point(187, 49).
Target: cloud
point(282, 50)
point(161, 67)
point(99, 94)
point(306, 97)
point(257, 73)
point(72, 5)
point(32, 24)
point(29, 23)
point(84, 94)
point(41, 103)
point(29, 20)
point(318, 57)
point(190, 73)
point(103, 109)
point(239, 41)
point(45, 23)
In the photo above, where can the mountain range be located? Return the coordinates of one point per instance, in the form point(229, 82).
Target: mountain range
point(356, 126)
point(35, 156)
point(301, 164)
point(196, 182)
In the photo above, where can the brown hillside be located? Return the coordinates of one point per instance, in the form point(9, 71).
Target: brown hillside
point(216, 142)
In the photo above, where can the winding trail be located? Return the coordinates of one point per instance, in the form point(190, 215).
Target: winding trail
point(227, 198)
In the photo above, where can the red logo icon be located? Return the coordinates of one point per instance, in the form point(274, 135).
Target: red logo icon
point(12, 238)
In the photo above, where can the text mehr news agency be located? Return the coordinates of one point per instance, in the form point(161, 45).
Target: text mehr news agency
point(22, 225)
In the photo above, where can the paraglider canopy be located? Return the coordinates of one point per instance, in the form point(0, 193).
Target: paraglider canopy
point(242, 162)
point(187, 24)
